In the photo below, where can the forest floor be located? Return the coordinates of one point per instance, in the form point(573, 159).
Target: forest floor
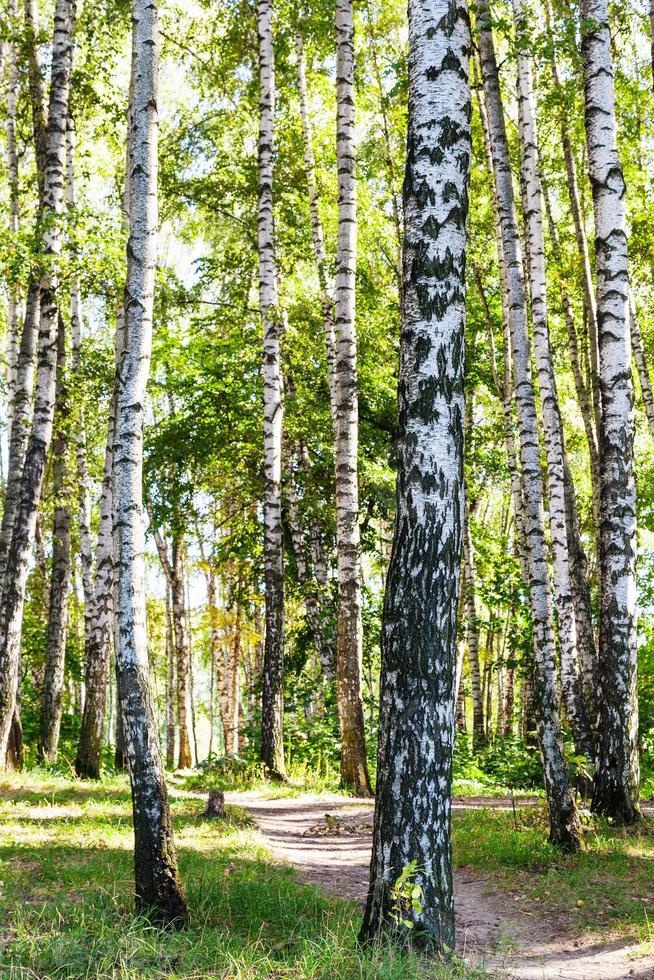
point(522, 910)
point(66, 891)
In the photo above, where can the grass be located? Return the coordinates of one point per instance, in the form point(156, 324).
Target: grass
point(66, 890)
point(66, 894)
point(605, 889)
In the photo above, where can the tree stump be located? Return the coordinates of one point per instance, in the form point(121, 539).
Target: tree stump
point(215, 805)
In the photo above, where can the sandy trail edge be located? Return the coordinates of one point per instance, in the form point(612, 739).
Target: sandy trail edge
point(490, 932)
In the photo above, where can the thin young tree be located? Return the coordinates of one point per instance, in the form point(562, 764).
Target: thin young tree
point(418, 676)
point(21, 530)
point(272, 713)
point(472, 633)
point(572, 690)
point(53, 677)
point(616, 784)
point(158, 889)
point(564, 829)
point(98, 635)
point(349, 669)
point(173, 567)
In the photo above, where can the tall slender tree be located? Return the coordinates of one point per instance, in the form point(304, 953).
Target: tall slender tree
point(49, 235)
point(272, 715)
point(616, 786)
point(158, 889)
point(53, 678)
point(564, 829)
point(417, 695)
point(349, 670)
point(573, 697)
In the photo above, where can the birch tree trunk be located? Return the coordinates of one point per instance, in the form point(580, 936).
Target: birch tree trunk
point(158, 889)
point(174, 571)
point(308, 580)
point(21, 406)
point(233, 687)
point(53, 678)
point(564, 830)
point(580, 231)
point(584, 397)
point(83, 493)
point(418, 678)
point(616, 785)
point(349, 668)
point(15, 440)
point(49, 232)
point(181, 633)
point(573, 698)
point(170, 684)
point(641, 366)
point(37, 92)
point(317, 234)
point(14, 304)
point(97, 646)
point(272, 709)
point(98, 639)
point(472, 635)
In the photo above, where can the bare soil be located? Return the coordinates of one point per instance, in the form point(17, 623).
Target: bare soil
point(334, 855)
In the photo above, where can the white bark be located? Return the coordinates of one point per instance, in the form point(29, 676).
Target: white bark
point(14, 306)
point(157, 886)
point(76, 326)
point(53, 677)
point(563, 823)
point(417, 693)
point(50, 232)
point(641, 365)
point(617, 773)
point(349, 669)
point(272, 721)
point(550, 412)
point(472, 633)
point(317, 233)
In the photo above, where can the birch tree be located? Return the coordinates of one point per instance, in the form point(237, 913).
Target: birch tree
point(99, 622)
point(417, 693)
point(53, 678)
point(472, 634)
point(272, 714)
point(173, 568)
point(616, 786)
point(158, 889)
point(564, 829)
point(550, 412)
point(49, 233)
point(349, 670)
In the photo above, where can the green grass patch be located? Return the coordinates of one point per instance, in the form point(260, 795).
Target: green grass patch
point(66, 872)
point(606, 888)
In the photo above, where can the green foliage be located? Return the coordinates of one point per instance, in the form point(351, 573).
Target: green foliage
point(406, 896)
point(507, 762)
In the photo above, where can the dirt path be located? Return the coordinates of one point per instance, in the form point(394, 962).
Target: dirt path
point(489, 931)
